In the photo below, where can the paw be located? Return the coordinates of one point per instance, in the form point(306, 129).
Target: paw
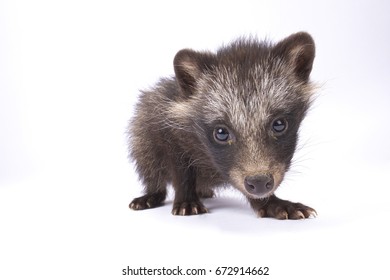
point(147, 201)
point(188, 208)
point(284, 209)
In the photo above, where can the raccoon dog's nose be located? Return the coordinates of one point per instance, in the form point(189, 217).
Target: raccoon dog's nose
point(259, 184)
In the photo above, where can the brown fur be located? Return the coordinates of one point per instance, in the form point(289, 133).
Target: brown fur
point(226, 118)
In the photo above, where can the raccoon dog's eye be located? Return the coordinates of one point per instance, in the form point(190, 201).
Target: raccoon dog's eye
point(221, 135)
point(279, 126)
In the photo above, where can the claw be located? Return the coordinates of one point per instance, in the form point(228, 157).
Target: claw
point(282, 215)
point(188, 208)
point(299, 215)
point(135, 206)
point(313, 213)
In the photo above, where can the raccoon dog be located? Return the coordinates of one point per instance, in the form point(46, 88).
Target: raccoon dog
point(226, 118)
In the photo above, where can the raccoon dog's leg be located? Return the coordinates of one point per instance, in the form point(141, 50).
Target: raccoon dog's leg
point(155, 189)
point(204, 185)
point(205, 193)
point(281, 209)
point(186, 198)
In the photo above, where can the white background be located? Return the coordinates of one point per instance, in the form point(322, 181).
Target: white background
point(70, 72)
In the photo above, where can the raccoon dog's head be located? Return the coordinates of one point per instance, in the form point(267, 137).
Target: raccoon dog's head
point(245, 104)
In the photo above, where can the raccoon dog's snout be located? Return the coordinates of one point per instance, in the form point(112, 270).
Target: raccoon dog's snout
point(259, 185)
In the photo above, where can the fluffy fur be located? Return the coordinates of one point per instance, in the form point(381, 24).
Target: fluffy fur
point(226, 118)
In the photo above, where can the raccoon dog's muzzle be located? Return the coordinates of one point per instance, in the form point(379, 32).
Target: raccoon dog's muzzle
point(259, 185)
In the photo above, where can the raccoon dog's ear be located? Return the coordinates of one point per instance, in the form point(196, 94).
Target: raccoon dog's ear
point(299, 50)
point(189, 66)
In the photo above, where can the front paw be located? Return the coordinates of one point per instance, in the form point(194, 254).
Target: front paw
point(148, 201)
point(188, 208)
point(282, 209)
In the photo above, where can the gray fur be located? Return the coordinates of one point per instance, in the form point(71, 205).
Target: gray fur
point(246, 88)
